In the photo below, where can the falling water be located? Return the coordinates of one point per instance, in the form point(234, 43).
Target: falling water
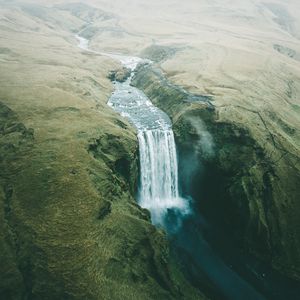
point(158, 166)
point(159, 174)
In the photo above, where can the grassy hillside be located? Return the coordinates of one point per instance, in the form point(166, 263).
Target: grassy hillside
point(70, 226)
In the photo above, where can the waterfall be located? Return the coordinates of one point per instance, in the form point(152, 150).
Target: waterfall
point(159, 173)
point(158, 166)
point(158, 190)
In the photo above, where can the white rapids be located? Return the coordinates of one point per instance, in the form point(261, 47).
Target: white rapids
point(158, 190)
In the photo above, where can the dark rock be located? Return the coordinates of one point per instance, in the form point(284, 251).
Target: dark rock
point(104, 209)
point(120, 75)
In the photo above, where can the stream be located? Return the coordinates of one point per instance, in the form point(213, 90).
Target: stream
point(159, 192)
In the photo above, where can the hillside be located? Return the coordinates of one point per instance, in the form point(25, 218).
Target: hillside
point(226, 72)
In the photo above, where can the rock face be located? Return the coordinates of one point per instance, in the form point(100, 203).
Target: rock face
point(244, 181)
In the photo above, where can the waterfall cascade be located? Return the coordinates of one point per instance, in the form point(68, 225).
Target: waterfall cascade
point(158, 190)
point(159, 173)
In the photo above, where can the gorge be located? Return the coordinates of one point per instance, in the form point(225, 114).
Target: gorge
point(159, 191)
point(157, 160)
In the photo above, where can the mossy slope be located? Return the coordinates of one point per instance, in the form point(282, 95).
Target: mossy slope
point(70, 226)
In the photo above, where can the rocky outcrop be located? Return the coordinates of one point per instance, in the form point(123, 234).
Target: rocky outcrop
point(245, 183)
point(119, 75)
point(158, 53)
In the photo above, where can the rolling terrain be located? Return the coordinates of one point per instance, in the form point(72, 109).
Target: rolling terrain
point(70, 225)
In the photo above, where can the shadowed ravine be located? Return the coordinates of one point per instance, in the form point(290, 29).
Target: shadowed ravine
point(159, 191)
